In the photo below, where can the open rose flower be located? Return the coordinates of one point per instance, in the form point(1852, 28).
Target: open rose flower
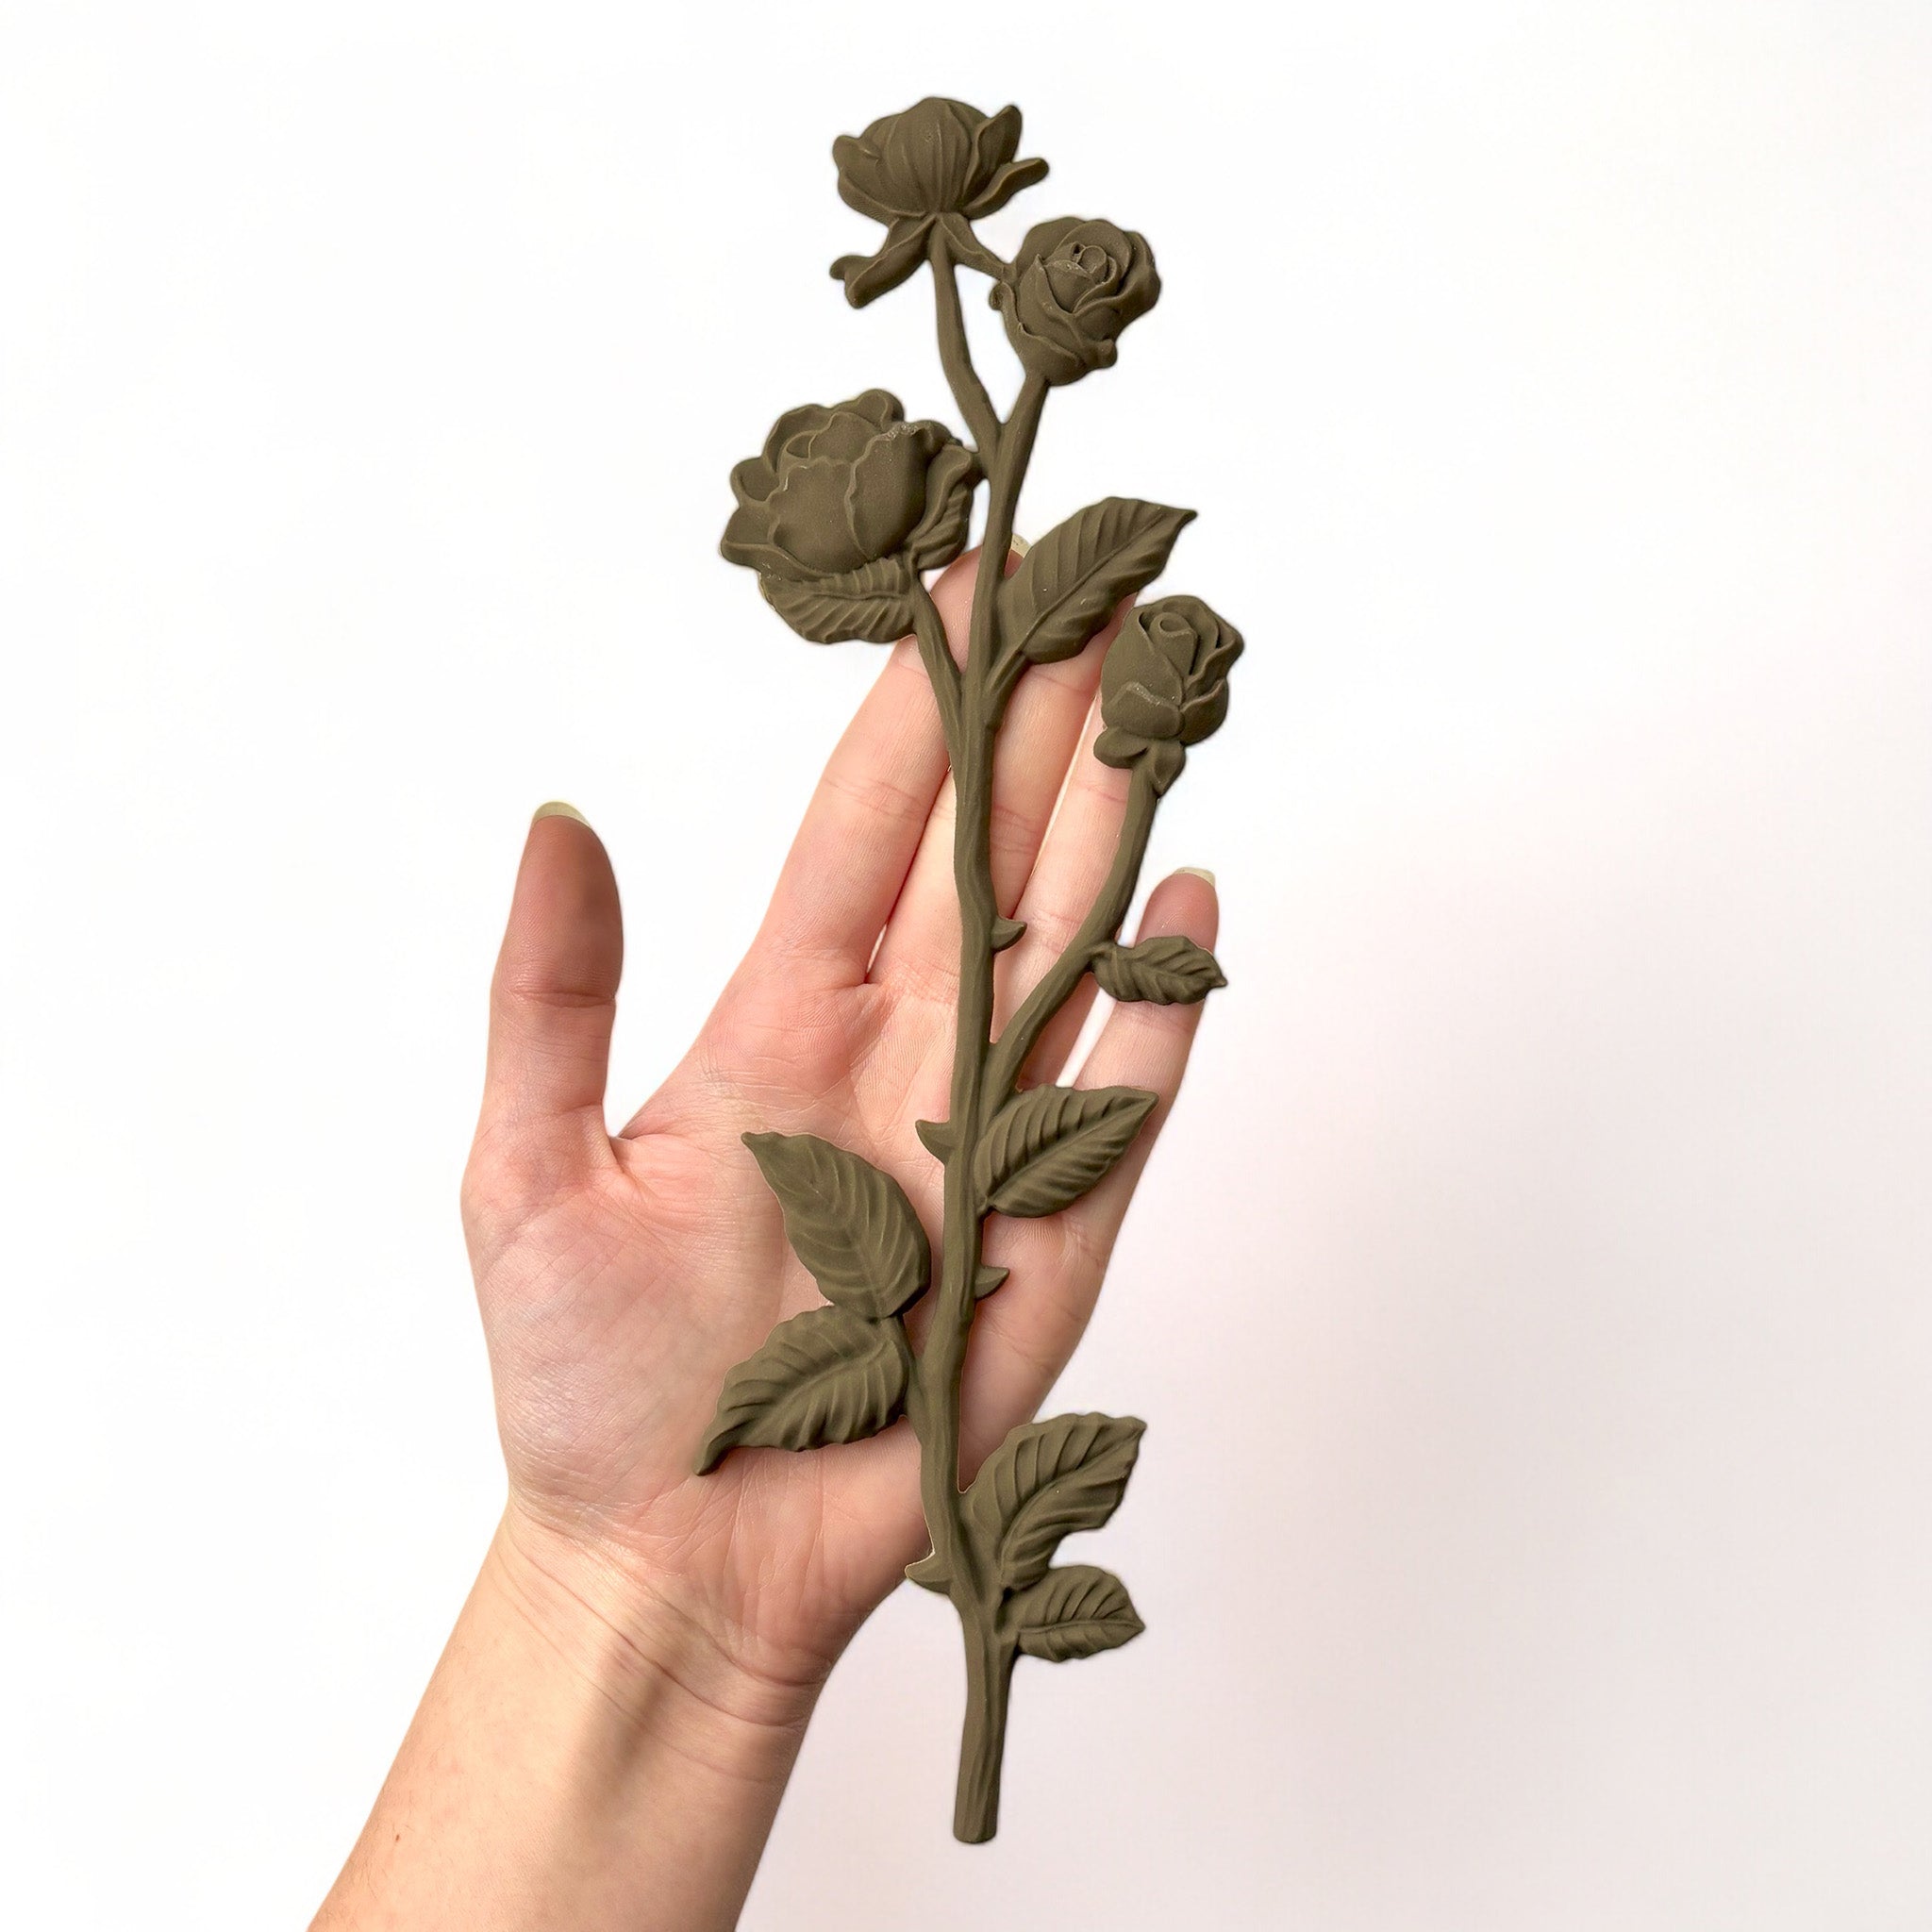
point(1072, 289)
point(941, 161)
point(842, 509)
point(1163, 685)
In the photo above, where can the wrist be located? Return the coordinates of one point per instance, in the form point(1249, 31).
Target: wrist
point(653, 1661)
point(582, 1747)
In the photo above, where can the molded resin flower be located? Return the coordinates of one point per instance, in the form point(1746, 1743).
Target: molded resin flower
point(1072, 289)
point(841, 510)
point(1163, 685)
point(939, 161)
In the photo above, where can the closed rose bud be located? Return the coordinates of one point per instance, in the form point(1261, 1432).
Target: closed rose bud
point(1072, 289)
point(842, 508)
point(939, 161)
point(1163, 685)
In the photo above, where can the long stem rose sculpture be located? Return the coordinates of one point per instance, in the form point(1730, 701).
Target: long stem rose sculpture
point(840, 515)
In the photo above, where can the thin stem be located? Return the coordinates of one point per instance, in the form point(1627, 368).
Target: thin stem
point(956, 357)
point(933, 1401)
point(1021, 1033)
point(936, 653)
point(983, 1743)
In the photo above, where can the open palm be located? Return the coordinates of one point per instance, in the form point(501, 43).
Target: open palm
point(621, 1278)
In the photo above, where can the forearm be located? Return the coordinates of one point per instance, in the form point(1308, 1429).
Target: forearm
point(581, 1757)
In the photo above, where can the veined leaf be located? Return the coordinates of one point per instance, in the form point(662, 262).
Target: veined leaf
point(931, 1572)
point(1074, 1611)
point(1069, 581)
point(1168, 972)
point(826, 1375)
point(1046, 1148)
point(1046, 1481)
point(848, 1223)
point(872, 603)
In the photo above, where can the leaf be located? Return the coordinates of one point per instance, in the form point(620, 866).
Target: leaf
point(935, 1137)
point(931, 1572)
point(1074, 1612)
point(1046, 1481)
point(848, 1223)
point(1006, 931)
point(1070, 580)
point(873, 604)
point(826, 1375)
point(1048, 1146)
point(1169, 971)
point(987, 1279)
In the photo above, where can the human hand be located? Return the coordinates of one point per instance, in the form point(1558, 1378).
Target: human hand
point(620, 1277)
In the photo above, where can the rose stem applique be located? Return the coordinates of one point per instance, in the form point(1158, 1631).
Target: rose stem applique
point(841, 514)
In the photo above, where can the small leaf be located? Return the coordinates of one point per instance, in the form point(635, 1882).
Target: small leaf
point(1005, 931)
point(935, 1137)
point(1046, 1481)
point(1070, 580)
point(826, 1375)
point(1168, 972)
point(1048, 1146)
point(873, 604)
point(987, 1279)
point(848, 1223)
point(1074, 1612)
point(931, 1572)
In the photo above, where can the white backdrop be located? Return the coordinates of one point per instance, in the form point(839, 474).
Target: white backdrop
point(1531, 1300)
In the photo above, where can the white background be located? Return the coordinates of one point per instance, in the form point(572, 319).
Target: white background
point(1533, 1300)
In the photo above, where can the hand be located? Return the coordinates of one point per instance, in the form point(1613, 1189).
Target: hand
point(620, 1279)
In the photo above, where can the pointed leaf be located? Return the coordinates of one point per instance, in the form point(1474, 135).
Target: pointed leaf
point(935, 1137)
point(1074, 1612)
point(1171, 970)
point(931, 1572)
point(1070, 580)
point(1006, 931)
point(1046, 1481)
point(826, 1375)
point(848, 1223)
point(873, 604)
point(987, 1279)
point(1048, 1146)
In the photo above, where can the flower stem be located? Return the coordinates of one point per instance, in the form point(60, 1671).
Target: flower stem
point(1007, 1059)
point(983, 1743)
point(956, 357)
point(934, 1402)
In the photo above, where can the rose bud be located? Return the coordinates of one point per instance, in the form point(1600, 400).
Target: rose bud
point(1069, 292)
point(1163, 685)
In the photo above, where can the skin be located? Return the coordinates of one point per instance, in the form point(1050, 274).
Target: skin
point(607, 1736)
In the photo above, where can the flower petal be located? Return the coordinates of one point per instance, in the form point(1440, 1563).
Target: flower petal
point(861, 184)
point(1203, 716)
point(887, 494)
point(753, 480)
point(748, 542)
point(1136, 708)
point(807, 416)
point(950, 483)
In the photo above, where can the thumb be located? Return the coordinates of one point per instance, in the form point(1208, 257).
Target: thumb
point(555, 993)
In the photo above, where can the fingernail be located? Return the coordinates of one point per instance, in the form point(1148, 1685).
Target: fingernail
point(1021, 546)
point(556, 808)
point(1197, 872)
